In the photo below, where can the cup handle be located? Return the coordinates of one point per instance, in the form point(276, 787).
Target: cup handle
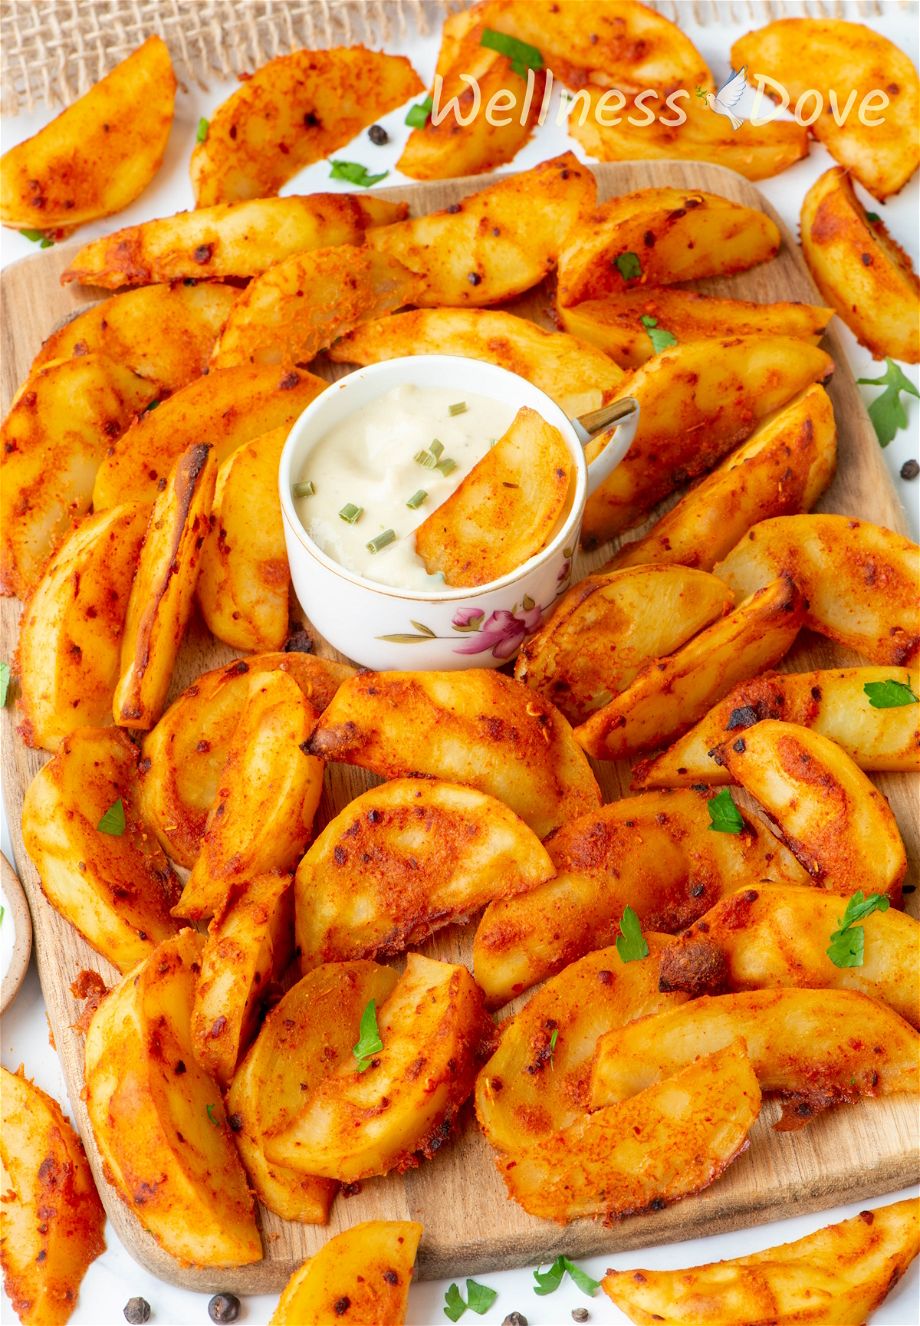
point(623, 413)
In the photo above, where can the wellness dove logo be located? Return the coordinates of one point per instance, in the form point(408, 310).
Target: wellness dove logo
point(727, 98)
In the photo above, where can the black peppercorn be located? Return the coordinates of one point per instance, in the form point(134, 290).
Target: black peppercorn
point(515, 1319)
point(224, 1307)
point(910, 469)
point(580, 1314)
point(378, 135)
point(474, 278)
point(137, 1311)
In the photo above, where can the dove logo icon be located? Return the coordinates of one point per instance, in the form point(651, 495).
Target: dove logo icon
point(726, 100)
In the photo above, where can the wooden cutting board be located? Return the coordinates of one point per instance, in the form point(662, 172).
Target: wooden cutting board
point(470, 1225)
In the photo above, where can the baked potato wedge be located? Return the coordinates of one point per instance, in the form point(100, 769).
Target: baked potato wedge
point(669, 694)
point(294, 110)
point(115, 888)
point(157, 1117)
point(372, 1117)
point(475, 727)
point(608, 626)
point(859, 580)
point(164, 588)
point(860, 270)
point(839, 826)
point(99, 154)
point(839, 1274)
point(304, 1038)
point(51, 1219)
point(781, 470)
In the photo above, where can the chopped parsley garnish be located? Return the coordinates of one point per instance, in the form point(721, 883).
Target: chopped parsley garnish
point(479, 1298)
point(873, 217)
point(212, 1117)
point(4, 683)
point(2, 914)
point(113, 821)
point(890, 694)
point(369, 1042)
point(629, 266)
point(724, 815)
point(549, 1281)
point(848, 941)
point(38, 237)
point(201, 133)
point(355, 173)
point(351, 514)
point(522, 55)
point(552, 1042)
point(631, 943)
point(659, 338)
point(887, 411)
point(419, 114)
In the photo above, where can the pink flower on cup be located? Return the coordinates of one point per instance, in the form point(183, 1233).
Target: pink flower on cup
point(467, 619)
point(503, 632)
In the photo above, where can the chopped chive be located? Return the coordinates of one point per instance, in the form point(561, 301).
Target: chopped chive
point(460, 408)
point(425, 458)
point(351, 514)
point(446, 466)
point(305, 489)
point(381, 540)
point(201, 133)
point(416, 500)
point(437, 449)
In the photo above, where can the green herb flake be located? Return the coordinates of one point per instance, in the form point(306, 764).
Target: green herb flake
point(460, 408)
point(631, 943)
point(4, 683)
point(355, 173)
point(479, 1298)
point(351, 514)
point(212, 1117)
point(425, 458)
point(873, 217)
point(724, 815)
point(890, 694)
point(37, 237)
point(2, 914)
point(304, 489)
point(887, 411)
point(552, 1042)
point(629, 266)
point(437, 449)
point(113, 821)
point(446, 466)
point(522, 55)
point(659, 337)
point(549, 1281)
point(369, 1042)
point(45, 243)
point(419, 114)
point(416, 500)
point(454, 1306)
point(152, 405)
point(201, 133)
point(380, 541)
point(848, 941)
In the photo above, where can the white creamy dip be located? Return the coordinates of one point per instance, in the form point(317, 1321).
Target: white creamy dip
point(369, 461)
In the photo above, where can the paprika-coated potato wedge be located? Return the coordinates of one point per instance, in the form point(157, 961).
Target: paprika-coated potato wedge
point(605, 628)
point(668, 1142)
point(435, 1031)
point(303, 1039)
point(71, 627)
point(655, 853)
point(368, 1267)
point(495, 243)
point(577, 376)
point(848, 65)
point(161, 1129)
point(51, 1219)
point(99, 154)
point(185, 754)
point(164, 589)
point(475, 727)
point(860, 269)
point(782, 469)
point(824, 807)
point(294, 110)
point(669, 694)
point(833, 701)
point(229, 240)
point(115, 888)
point(404, 859)
point(837, 1276)
point(859, 580)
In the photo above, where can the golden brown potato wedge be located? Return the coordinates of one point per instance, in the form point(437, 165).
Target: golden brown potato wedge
point(877, 141)
point(367, 1267)
point(671, 693)
point(435, 1030)
point(837, 1276)
point(229, 240)
point(860, 269)
point(782, 469)
point(99, 154)
point(71, 627)
point(115, 888)
point(303, 1039)
point(697, 402)
point(164, 589)
point(496, 243)
point(859, 580)
point(157, 1117)
point(608, 626)
point(668, 1142)
point(294, 110)
point(474, 727)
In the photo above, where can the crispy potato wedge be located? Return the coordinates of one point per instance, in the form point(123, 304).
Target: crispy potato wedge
point(837, 1276)
point(859, 580)
point(99, 154)
point(157, 1117)
point(670, 234)
point(368, 1267)
point(505, 510)
point(654, 852)
point(435, 1030)
point(227, 408)
point(294, 110)
point(185, 754)
point(164, 589)
point(70, 632)
point(577, 376)
point(697, 402)
point(497, 242)
point(116, 889)
point(782, 469)
point(608, 626)
point(268, 791)
point(860, 269)
point(671, 693)
point(52, 443)
point(51, 1219)
point(668, 1142)
point(229, 240)
point(475, 727)
point(304, 1038)
point(404, 859)
point(824, 807)
point(879, 147)
point(833, 701)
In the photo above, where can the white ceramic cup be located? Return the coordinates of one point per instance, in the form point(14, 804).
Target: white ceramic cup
point(384, 628)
